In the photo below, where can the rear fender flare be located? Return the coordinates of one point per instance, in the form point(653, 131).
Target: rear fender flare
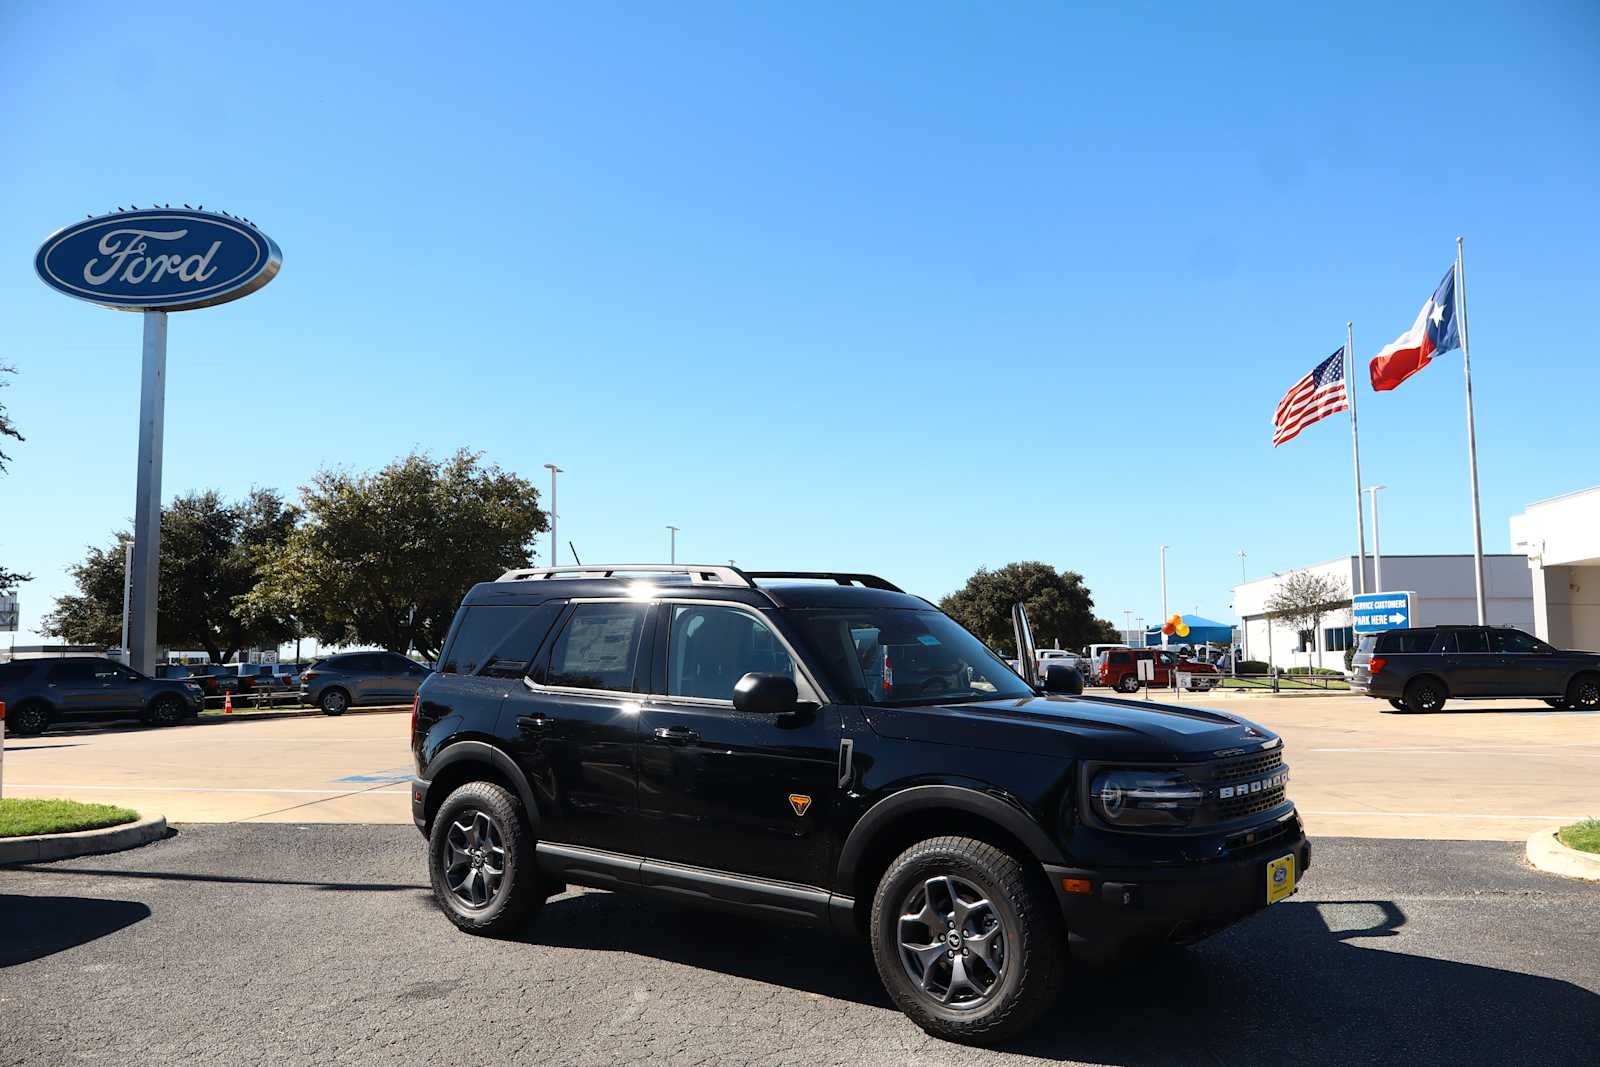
point(485, 754)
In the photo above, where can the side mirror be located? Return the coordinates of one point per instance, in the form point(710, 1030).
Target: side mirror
point(1060, 678)
point(765, 694)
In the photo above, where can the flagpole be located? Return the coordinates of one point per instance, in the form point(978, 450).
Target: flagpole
point(1472, 434)
point(1355, 451)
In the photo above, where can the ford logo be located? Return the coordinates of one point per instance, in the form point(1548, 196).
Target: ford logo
point(158, 260)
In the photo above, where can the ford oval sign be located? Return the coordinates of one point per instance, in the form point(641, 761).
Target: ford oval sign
point(158, 260)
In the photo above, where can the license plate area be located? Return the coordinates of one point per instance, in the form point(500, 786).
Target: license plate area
point(1280, 878)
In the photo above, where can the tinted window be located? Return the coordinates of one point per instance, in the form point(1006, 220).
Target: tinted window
point(598, 648)
point(14, 672)
point(1515, 641)
point(1368, 643)
point(363, 663)
point(1400, 641)
point(73, 672)
point(1471, 641)
point(498, 640)
point(709, 649)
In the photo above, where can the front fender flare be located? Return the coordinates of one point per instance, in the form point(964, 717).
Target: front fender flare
point(482, 753)
point(881, 815)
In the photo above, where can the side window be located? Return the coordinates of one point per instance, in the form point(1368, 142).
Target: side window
point(1446, 644)
point(710, 648)
point(73, 672)
point(1515, 641)
point(1414, 640)
point(598, 648)
point(498, 640)
point(14, 672)
point(1472, 641)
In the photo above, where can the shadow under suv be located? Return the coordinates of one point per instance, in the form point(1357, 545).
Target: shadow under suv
point(750, 741)
point(40, 692)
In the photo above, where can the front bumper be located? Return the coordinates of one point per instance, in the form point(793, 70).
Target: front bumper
point(419, 804)
point(1127, 906)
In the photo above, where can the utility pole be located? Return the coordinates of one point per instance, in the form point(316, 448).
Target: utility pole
point(673, 552)
point(1377, 544)
point(554, 544)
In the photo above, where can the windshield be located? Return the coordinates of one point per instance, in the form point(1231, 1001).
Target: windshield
point(904, 656)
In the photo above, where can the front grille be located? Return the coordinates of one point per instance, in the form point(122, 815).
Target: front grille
point(1241, 787)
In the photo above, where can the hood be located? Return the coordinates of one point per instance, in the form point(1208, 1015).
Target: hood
point(1098, 728)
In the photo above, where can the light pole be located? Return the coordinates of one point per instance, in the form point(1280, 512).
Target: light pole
point(1164, 615)
point(1377, 549)
point(1127, 622)
point(1242, 576)
point(554, 543)
point(673, 558)
point(127, 595)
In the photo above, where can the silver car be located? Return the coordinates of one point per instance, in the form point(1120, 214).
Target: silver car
point(352, 678)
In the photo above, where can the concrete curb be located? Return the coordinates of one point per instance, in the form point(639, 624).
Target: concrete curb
point(240, 714)
point(45, 847)
point(1546, 852)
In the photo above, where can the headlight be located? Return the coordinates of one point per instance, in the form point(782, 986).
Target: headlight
point(1129, 798)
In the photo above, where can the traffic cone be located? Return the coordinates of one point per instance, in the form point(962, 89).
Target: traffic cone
point(227, 703)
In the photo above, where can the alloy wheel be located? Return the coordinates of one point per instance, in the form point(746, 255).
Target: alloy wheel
point(475, 858)
point(1586, 694)
point(953, 942)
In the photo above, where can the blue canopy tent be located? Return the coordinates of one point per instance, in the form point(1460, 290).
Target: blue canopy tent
point(1201, 632)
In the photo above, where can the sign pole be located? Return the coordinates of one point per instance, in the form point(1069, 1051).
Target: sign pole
point(1355, 452)
point(1472, 435)
point(143, 586)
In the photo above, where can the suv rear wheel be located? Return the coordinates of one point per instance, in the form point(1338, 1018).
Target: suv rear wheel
point(27, 720)
point(1128, 683)
point(1425, 695)
point(481, 860)
point(968, 941)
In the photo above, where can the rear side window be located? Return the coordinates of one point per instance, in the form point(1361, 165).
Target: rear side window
point(14, 672)
point(1402, 641)
point(1368, 643)
point(72, 671)
point(498, 640)
point(1471, 641)
point(598, 648)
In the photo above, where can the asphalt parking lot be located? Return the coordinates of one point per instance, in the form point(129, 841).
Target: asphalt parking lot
point(318, 944)
point(1497, 770)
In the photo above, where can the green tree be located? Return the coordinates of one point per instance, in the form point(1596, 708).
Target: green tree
point(211, 552)
point(1060, 609)
point(384, 559)
point(9, 579)
point(1304, 599)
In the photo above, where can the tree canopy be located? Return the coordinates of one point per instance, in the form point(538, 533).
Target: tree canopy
point(385, 558)
point(1060, 609)
point(211, 552)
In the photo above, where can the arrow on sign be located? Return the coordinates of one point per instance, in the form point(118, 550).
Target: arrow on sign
point(1397, 618)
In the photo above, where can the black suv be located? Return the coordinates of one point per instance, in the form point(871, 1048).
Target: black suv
point(38, 692)
point(1418, 669)
point(754, 741)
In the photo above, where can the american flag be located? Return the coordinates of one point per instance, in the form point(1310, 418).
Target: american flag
point(1317, 395)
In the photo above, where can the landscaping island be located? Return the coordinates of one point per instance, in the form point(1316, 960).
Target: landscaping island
point(27, 816)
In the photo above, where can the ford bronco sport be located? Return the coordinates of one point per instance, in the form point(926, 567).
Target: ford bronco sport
point(827, 749)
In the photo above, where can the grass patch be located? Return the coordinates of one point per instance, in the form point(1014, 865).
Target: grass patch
point(25, 816)
point(1284, 683)
point(1583, 836)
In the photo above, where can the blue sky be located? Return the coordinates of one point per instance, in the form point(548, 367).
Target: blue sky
point(899, 288)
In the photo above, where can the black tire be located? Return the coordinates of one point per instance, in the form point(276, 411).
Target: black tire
point(28, 720)
point(1584, 692)
point(1425, 695)
point(1398, 705)
point(992, 1006)
point(1128, 683)
point(459, 852)
point(333, 701)
point(166, 711)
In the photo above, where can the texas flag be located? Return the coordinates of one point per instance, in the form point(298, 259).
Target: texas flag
point(1433, 332)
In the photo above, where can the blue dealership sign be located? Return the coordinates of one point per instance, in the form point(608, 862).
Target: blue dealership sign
point(1372, 613)
point(158, 260)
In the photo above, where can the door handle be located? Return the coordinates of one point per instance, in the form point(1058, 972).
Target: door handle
point(534, 722)
point(677, 735)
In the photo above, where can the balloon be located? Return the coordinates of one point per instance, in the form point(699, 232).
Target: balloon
point(1176, 620)
point(1183, 630)
point(1168, 629)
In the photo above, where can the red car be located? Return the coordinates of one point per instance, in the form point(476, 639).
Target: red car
point(1118, 668)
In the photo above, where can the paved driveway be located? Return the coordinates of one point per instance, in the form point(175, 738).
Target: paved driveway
point(297, 945)
point(1490, 771)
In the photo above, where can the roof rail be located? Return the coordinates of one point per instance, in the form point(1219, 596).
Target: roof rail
point(698, 574)
point(869, 581)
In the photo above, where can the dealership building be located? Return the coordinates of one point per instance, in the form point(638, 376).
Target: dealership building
point(1561, 537)
point(1442, 588)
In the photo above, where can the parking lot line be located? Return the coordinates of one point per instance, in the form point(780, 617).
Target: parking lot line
point(201, 789)
point(1379, 813)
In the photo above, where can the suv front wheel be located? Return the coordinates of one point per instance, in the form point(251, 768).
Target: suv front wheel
point(481, 860)
point(967, 940)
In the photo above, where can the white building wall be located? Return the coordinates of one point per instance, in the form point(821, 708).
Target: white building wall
point(1562, 539)
point(1444, 588)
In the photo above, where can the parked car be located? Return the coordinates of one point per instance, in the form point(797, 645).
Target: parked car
point(216, 679)
point(716, 736)
point(1419, 669)
point(42, 692)
point(352, 678)
point(1118, 668)
point(1060, 657)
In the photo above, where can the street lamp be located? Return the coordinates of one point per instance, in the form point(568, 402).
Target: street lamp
point(1242, 576)
point(554, 542)
point(1164, 615)
point(673, 557)
point(1377, 551)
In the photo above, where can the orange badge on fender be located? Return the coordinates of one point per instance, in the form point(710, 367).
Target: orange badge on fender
point(799, 802)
